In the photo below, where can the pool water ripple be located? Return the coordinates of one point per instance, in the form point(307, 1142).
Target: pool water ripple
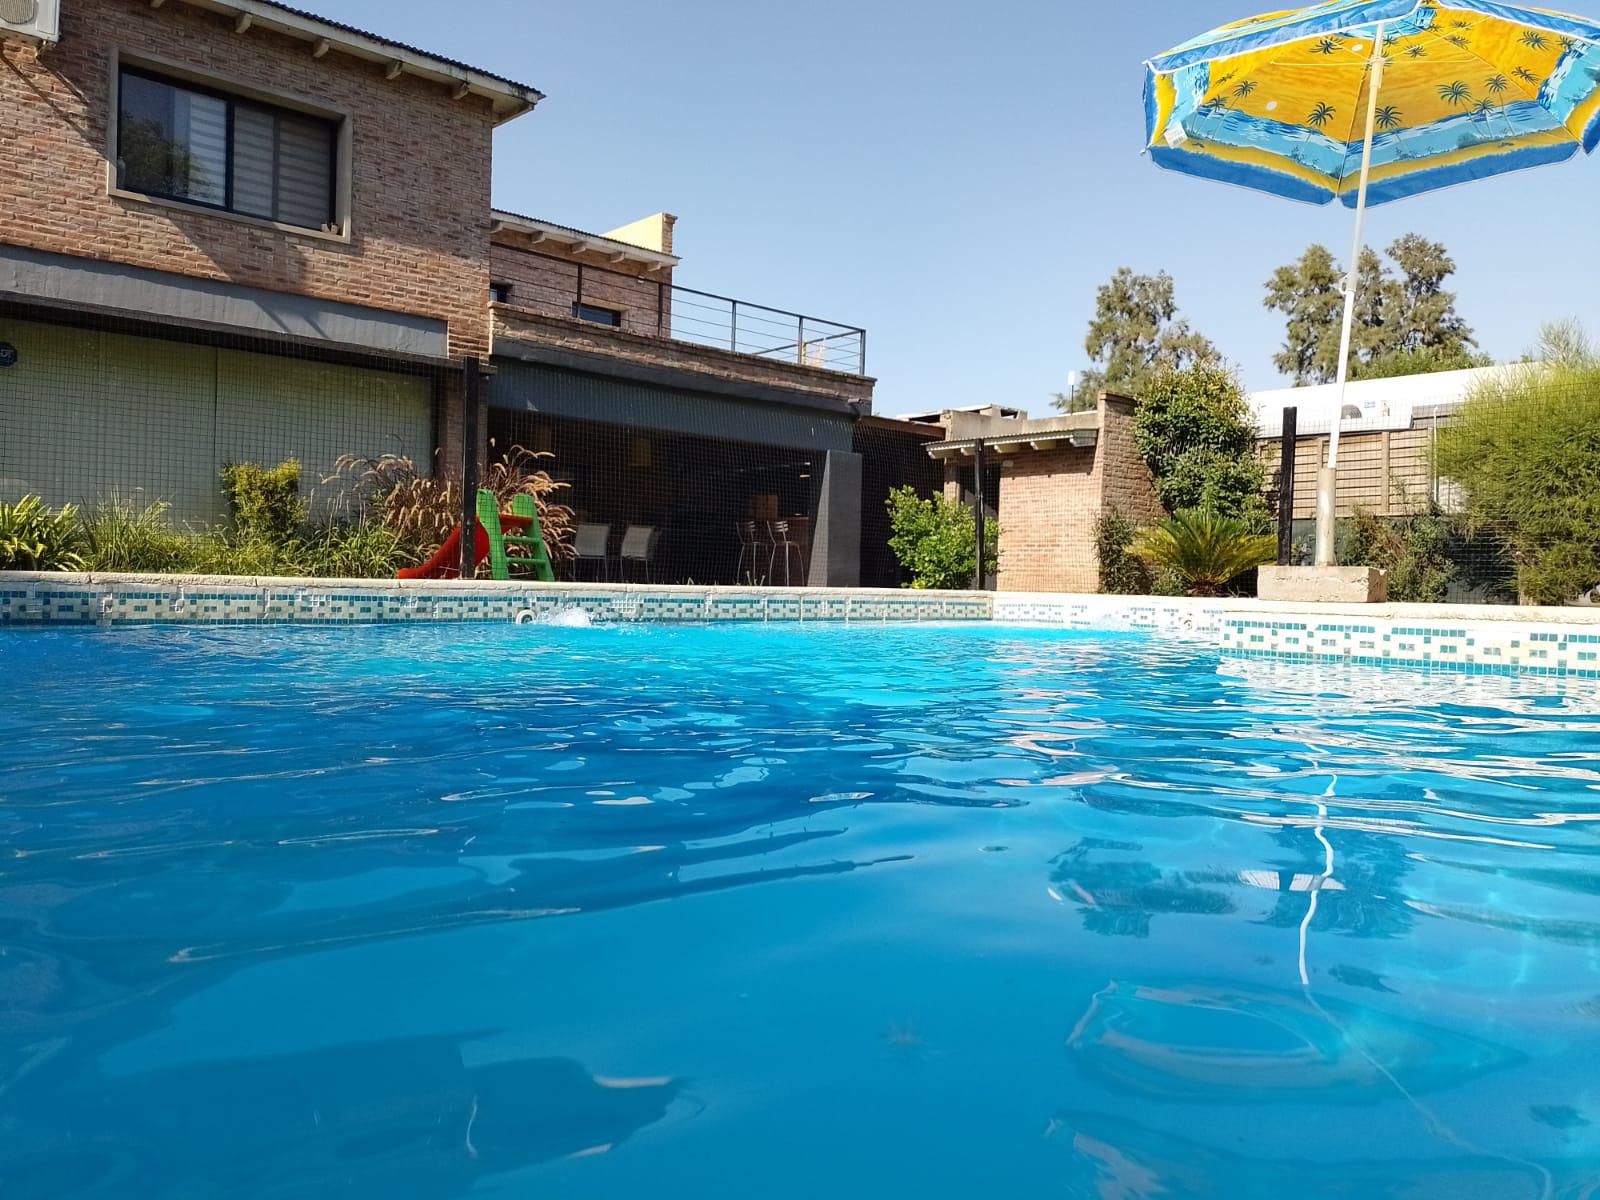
point(786, 911)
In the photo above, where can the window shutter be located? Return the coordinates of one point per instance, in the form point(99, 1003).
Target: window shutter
point(254, 132)
point(305, 171)
point(203, 138)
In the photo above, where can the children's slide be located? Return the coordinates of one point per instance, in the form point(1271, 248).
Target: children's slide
point(509, 540)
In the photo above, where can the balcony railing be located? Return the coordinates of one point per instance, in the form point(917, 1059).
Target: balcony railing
point(655, 308)
point(711, 320)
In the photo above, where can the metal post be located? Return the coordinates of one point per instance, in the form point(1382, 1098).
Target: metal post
point(862, 369)
point(979, 578)
point(800, 343)
point(578, 303)
point(733, 327)
point(1291, 421)
point(1327, 478)
point(471, 380)
point(661, 305)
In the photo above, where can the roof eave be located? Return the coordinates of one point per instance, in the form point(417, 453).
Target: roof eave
point(508, 98)
point(578, 241)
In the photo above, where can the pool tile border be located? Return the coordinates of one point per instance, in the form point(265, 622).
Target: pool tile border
point(1563, 642)
point(1454, 638)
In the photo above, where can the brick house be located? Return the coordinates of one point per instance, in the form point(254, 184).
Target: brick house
point(232, 230)
point(1048, 482)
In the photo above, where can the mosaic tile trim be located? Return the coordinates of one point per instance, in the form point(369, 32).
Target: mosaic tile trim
point(1545, 642)
point(46, 600)
point(1565, 643)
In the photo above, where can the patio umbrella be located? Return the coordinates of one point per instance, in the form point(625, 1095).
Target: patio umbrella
point(1369, 101)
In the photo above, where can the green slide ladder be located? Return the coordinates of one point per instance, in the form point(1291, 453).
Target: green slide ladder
point(523, 549)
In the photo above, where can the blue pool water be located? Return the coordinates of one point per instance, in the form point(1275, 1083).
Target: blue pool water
point(787, 912)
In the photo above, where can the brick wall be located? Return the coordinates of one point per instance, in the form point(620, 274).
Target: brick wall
point(419, 240)
point(551, 284)
point(1050, 501)
point(1127, 484)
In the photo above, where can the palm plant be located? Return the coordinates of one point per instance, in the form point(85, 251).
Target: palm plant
point(1204, 550)
point(1459, 42)
point(1389, 117)
point(1416, 52)
point(1525, 75)
point(1321, 114)
point(1497, 84)
point(1455, 93)
point(1244, 89)
point(1326, 46)
point(1534, 40)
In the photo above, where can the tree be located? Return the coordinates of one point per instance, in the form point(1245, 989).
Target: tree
point(1136, 333)
point(1404, 324)
point(1525, 452)
point(1195, 433)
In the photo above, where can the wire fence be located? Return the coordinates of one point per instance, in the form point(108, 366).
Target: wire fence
point(183, 450)
point(233, 453)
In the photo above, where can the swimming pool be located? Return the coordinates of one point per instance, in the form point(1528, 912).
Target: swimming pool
point(783, 911)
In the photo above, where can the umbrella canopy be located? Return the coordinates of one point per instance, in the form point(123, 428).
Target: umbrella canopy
point(1281, 103)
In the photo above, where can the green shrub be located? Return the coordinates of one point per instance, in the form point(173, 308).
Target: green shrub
point(936, 539)
point(1194, 430)
point(1205, 550)
point(360, 550)
point(1414, 550)
point(121, 535)
point(1121, 572)
point(264, 502)
point(1525, 452)
point(34, 537)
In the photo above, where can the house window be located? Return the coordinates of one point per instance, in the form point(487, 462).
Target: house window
point(598, 315)
point(181, 141)
point(500, 293)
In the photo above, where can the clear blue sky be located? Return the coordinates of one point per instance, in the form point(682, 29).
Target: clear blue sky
point(957, 178)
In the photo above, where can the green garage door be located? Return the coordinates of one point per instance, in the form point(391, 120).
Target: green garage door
point(87, 415)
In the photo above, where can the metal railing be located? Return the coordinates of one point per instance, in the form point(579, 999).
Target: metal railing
point(641, 305)
point(745, 328)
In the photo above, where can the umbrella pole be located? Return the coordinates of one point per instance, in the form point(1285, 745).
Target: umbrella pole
point(1327, 478)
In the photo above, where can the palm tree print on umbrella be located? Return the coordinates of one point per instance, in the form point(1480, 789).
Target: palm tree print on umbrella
point(1326, 46)
point(1455, 94)
point(1534, 40)
point(1416, 52)
point(1497, 84)
point(1244, 89)
point(1389, 117)
point(1525, 75)
point(1455, 39)
point(1321, 114)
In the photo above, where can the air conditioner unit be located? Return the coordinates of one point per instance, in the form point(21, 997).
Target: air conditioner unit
point(31, 20)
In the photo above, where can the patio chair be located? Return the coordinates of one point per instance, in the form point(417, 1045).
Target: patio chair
point(639, 544)
point(750, 548)
point(591, 544)
point(786, 545)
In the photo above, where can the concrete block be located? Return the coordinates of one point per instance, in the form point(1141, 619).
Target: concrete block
point(1325, 585)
